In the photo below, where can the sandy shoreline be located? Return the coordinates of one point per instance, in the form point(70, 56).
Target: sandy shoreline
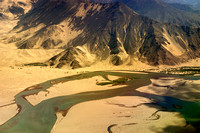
point(16, 79)
point(97, 116)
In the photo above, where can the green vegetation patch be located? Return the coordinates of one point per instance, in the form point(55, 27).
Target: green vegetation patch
point(115, 82)
point(36, 64)
point(104, 83)
point(183, 71)
point(120, 80)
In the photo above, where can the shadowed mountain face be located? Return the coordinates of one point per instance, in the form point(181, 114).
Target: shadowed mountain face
point(13, 9)
point(185, 7)
point(161, 11)
point(194, 3)
point(91, 32)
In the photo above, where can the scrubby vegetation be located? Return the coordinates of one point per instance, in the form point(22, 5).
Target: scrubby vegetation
point(114, 82)
point(36, 64)
point(183, 71)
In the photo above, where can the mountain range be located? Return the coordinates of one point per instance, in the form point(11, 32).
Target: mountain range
point(91, 32)
point(163, 12)
point(194, 3)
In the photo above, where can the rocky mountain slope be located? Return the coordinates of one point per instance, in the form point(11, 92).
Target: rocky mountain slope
point(161, 11)
point(194, 3)
point(14, 8)
point(92, 32)
point(185, 7)
point(11, 11)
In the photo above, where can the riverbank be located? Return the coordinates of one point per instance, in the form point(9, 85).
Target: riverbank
point(16, 79)
point(103, 115)
point(131, 113)
point(117, 114)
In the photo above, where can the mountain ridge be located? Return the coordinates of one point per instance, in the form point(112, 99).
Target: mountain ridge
point(101, 31)
point(161, 11)
point(194, 3)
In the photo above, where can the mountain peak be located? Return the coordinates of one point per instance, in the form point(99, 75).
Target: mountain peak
point(104, 31)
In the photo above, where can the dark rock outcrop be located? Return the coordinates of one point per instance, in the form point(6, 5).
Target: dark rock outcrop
point(106, 31)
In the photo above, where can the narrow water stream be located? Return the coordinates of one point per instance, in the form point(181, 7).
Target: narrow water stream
point(42, 117)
